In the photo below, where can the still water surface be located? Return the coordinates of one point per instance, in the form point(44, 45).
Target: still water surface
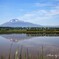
point(34, 45)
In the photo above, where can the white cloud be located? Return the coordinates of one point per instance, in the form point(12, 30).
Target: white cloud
point(40, 4)
point(45, 4)
point(40, 15)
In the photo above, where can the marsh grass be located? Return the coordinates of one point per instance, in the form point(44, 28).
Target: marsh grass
point(19, 54)
point(10, 51)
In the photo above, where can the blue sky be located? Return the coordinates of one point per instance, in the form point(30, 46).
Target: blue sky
point(43, 12)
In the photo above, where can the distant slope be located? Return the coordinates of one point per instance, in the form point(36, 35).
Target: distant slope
point(18, 23)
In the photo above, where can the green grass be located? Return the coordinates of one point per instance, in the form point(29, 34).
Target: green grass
point(29, 30)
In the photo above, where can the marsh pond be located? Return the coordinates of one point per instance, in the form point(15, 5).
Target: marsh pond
point(27, 46)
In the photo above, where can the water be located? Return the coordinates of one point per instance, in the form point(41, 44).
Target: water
point(11, 44)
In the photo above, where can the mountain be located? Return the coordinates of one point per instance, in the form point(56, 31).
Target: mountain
point(18, 23)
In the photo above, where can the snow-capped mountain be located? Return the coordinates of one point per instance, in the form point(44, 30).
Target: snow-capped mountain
point(18, 23)
point(14, 20)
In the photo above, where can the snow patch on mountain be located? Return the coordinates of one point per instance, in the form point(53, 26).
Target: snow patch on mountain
point(14, 20)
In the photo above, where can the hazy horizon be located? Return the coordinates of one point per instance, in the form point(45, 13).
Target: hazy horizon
point(41, 12)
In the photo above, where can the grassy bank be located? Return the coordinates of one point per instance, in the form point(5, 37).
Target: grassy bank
point(29, 30)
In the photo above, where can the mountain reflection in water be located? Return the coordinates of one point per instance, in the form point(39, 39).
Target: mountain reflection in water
point(16, 37)
point(25, 46)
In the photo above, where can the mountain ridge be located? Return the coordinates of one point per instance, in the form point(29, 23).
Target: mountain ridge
point(18, 23)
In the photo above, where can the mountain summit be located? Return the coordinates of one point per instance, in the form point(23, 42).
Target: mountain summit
point(14, 20)
point(18, 23)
